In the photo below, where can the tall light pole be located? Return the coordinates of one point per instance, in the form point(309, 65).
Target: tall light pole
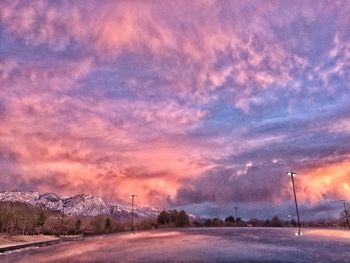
point(292, 174)
point(346, 213)
point(236, 208)
point(62, 218)
point(169, 216)
point(290, 218)
point(132, 211)
point(169, 212)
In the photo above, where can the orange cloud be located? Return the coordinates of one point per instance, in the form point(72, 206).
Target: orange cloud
point(331, 180)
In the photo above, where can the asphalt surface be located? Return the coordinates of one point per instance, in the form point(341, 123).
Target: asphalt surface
point(197, 245)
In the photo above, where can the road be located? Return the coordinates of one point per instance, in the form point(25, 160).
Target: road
point(198, 245)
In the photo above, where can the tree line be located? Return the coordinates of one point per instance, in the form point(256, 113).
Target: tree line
point(173, 218)
point(275, 221)
point(23, 219)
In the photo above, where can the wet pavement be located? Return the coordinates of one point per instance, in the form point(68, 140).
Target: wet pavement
point(198, 245)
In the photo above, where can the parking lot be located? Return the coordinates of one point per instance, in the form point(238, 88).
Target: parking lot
point(198, 245)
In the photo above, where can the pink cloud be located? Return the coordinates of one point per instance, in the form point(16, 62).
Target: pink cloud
point(109, 30)
point(60, 123)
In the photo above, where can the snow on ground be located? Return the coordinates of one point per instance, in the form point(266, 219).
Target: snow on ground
point(23, 239)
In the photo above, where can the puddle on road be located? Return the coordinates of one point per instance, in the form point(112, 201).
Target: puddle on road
point(150, 235)
point(344, 234)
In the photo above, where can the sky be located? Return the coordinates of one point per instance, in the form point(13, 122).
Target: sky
point(201, 105)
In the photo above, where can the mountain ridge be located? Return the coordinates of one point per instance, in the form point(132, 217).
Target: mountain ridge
point(78, 205)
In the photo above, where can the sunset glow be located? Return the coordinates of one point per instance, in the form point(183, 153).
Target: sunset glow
point(185, 103)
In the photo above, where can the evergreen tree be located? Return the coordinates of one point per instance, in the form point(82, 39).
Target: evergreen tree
point(183, 219)
point(230, 219)
point(163, 217)
point(207, 222)
point(276, 222)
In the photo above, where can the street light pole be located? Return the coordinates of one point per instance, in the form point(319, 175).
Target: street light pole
point(292, 174)
point(236, 208)
point(62, 218)
point(169, 216)
point(290, 218)
point(346, 213)
point(132, 211)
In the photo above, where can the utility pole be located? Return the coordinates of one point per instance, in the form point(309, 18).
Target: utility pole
point(292, 174)
point(346, 213)
point(132, 211)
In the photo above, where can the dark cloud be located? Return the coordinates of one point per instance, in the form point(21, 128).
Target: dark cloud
point(244, 184)
point(325, 209)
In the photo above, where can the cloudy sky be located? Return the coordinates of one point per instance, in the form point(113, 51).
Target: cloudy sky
point(202, 105)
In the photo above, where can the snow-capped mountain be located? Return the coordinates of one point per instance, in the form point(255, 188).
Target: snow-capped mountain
point(79, 205)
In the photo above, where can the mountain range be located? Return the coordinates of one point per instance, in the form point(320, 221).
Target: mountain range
point(78, 205)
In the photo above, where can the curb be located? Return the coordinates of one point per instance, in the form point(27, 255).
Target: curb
point(37, 244)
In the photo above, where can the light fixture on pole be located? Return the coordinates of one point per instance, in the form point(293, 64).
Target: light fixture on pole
point(132, 211)
point(292, 174)
point(346, 213)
